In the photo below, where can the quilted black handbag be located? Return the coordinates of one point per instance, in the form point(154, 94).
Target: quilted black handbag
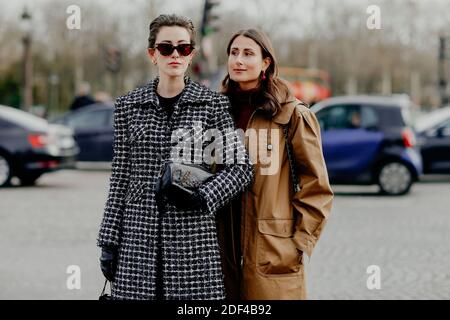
point(182, 180)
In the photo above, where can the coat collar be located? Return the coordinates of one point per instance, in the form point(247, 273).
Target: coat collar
point(193, 93)
point(284, 114)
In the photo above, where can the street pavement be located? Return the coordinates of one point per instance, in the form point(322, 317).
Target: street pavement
point(48, 234)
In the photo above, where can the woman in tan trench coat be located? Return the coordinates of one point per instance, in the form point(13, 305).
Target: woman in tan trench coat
point(279, 224)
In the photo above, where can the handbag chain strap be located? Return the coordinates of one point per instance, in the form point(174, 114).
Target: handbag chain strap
point(104, 287)
point(293, 167)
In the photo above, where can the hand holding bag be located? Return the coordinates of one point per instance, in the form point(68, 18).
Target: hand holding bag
point(180, 182)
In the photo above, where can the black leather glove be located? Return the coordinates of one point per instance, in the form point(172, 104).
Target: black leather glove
point(108, 262)
point(187, 202)
point(196, 201)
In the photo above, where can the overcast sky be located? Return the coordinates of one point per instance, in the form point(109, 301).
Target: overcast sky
point(293, 16)
point(14, 8)
point(11, 10)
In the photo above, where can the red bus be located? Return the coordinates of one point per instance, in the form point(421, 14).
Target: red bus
point(308, 85)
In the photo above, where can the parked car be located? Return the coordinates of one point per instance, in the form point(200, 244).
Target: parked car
point(433, 135)
point(369, 140)
point(93, 128)
point(30, 146)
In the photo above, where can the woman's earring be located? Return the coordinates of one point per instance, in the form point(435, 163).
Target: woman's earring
point(263, 75)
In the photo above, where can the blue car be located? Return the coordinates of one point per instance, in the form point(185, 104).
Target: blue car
point(369, 140)
point(93, 128)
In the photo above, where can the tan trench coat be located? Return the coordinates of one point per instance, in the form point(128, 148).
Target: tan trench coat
point(277, 226)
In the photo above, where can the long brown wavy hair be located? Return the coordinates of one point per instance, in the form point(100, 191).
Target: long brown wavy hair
point(272, 91)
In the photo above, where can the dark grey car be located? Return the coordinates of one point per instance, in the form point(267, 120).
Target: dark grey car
point(433, 131)
point(30, 146)
point(93, 131)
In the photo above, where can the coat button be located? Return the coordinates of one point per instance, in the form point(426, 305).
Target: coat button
point(269, 147)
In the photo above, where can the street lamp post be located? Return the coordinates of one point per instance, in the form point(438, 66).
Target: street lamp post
point(444, 55)
point(26, 23)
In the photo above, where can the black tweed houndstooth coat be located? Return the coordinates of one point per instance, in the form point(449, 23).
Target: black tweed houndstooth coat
point(190, 259)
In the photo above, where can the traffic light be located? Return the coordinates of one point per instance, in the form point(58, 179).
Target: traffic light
point(113, 59)
point(208, 17)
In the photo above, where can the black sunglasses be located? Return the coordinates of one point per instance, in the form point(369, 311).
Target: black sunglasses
point(166, 49)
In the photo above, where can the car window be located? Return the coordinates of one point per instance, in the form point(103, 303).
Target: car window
point(340, 117)
point(89, 119)
point(5, 124)
point(391, 116)
point(446, 125)
point(369, 117)
point(444, 129)
point(61, 120)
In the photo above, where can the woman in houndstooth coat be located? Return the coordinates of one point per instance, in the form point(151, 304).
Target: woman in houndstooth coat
point(167, 251)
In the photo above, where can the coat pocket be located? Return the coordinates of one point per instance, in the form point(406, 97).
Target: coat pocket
point(276, 252)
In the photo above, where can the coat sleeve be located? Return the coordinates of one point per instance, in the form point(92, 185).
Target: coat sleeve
point(118, 184)
point(237, 171)
point(312, 204)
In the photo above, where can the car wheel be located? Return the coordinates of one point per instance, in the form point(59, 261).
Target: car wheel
point(29, 179)
point(5, 171)
point(394, 178)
